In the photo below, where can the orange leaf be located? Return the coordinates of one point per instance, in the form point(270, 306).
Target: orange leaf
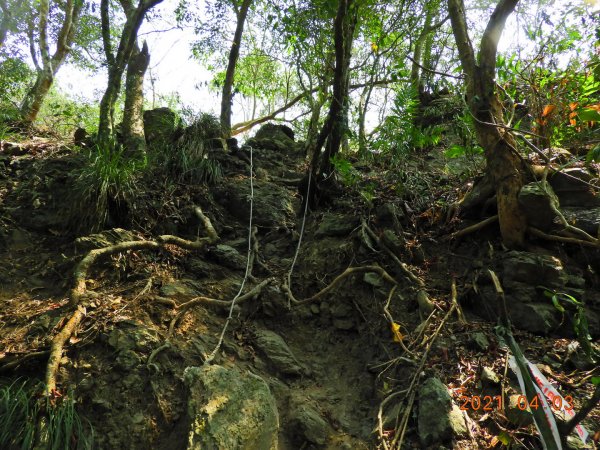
point(548, 109)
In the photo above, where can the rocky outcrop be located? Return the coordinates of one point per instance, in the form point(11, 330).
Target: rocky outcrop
point(229, 409)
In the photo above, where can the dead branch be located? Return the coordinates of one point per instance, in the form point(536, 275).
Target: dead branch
point(401, 430)
point(337, 280)
point(471, 229)
point(207, 301)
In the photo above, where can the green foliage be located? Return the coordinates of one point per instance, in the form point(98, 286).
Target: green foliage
point(108, 176)
point(348, 174)
point(593, 155)
point(63, 113)
point(20, 413)
point(15, 77)
point(579, 319)
point(17, 416)
point(188, 159)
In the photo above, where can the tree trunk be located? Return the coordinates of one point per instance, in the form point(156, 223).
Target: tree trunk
point(336, 123)
point(133, 120)
point(30, 107)
point(503, 162)
point(4, 22)
point(234, 53)
point(117, 63)
point(34, 99)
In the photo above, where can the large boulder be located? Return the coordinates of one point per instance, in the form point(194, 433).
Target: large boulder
point(159, 125)
point(279, 138)
point(272, 204)
point(230, 410)
point(439, 418)
point(572, 186)
point(537, 201)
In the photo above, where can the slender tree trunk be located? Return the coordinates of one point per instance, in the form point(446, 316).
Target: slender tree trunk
point(4, 22)
point(117, 63)
point(345, 23)
point(503, 162)
point(133, 120)
point(30, 107)
point(234, 53)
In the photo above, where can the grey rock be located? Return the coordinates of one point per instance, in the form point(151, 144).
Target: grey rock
point(480, 341)
point(278, 353)
point(533, 269)
point(539, 318)
point(571, 187)
point(228, 257)
point(230, 410)
point(389, 214)
point(489, 377)
point(374, 279)
point(586, 218)
point(343, 324)
point(308, 425)
point(272, 203)
point(536, 201)
point(183, 288)
point(392, 241)
point(128, 360)
point(337, 225)
point(439, 420)
point(341, 309)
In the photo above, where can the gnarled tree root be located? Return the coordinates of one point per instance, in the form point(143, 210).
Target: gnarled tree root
point(337, 280)
point(81, 272)
point(207, 301)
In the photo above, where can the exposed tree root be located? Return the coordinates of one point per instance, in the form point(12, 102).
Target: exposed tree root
point(56, 349)
point(567, 240)
point(17, 361)
point(81, 272)
point(207, 301)
point(471, 229)
point(337, 280)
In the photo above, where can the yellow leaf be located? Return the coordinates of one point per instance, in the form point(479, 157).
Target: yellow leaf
point(398, 337)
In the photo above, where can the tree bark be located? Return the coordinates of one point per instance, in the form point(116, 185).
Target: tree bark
point(234, 53)
point(5, 22)
point(117, 63)
point(336, 124)
point(504, 165)
point(133, 120)
point(30, 107)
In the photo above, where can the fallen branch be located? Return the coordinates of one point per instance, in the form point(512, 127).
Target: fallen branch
point(471, 229)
